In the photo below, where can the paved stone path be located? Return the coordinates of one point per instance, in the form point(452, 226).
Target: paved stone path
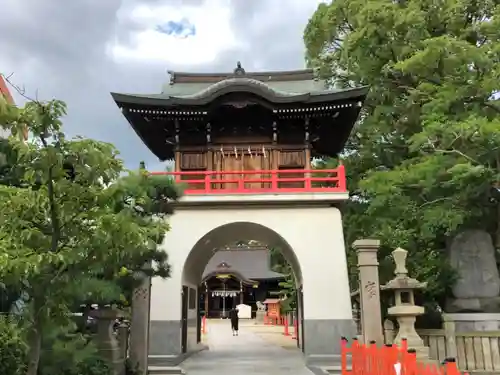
point(245, 354)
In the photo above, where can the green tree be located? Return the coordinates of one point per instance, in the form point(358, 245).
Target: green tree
point(288, 287)
point(70, 224)
point(423, 161)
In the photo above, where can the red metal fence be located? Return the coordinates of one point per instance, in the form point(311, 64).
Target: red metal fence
point(261, 181)
point(389, 360)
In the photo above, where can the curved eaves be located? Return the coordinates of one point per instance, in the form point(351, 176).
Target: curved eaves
point(234, 273)
point(242, 85)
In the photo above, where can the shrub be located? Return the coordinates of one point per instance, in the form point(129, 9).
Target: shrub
point(68, 352)
point(13, 348)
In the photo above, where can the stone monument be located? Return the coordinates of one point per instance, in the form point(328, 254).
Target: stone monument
point(404, 310)
point(475, 305)
point(472, 254)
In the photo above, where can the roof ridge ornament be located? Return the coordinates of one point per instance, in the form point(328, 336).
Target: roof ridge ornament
point(239, 71)
point(224, 264)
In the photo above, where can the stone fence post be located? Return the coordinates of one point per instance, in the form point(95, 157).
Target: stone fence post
point(369, 290)
point(389, 331)
point(122, 337)
point(450, 336)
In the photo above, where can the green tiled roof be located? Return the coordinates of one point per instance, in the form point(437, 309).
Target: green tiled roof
point(289, 87)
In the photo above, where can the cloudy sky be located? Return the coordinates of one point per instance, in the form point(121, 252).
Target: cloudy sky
point(80, 50)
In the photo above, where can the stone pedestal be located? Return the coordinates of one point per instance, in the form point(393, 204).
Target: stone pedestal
point(369, 290)
point(475, 322)
point(259, 317)
point(107, 344)
point(406, 316)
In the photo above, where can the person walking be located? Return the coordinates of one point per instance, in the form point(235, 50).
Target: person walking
point(233, 316)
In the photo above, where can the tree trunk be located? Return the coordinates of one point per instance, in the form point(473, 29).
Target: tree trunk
point(35, 346)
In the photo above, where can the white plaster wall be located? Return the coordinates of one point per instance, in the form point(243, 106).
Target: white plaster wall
point(314, 233)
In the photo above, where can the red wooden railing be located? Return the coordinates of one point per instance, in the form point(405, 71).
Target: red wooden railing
point(264, 181)
point(389, 360)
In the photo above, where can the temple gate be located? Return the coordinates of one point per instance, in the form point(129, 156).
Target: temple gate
point(243, 144)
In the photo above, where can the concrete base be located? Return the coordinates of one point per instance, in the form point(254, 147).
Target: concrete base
point(477, 305)
point(475, 322)
point(322, 340)
point(325, 370)
point(167, 361)
point(162, 370)
point(165, 344)
point(164, 338)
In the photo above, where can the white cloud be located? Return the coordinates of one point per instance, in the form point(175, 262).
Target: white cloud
point(92, 47)
point(213, 33)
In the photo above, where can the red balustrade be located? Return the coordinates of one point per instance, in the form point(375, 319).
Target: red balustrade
point(389, 360)
point(261, 182)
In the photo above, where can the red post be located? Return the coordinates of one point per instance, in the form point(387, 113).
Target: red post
point(451, 367)
point(357, 357)
point(208, 185)
point(274, 180)
point(343, 353)
point(266, 319)
point(286, 333)
point(372, 358)
point(389, 360)
point(341, 178)
point(307, 180)
point(392, 357)
point(295, 329)
point(409, 363)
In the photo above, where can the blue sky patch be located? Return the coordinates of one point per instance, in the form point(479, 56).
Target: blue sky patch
point(179, 29)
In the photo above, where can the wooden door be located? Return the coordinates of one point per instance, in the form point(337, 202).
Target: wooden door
point(243, 161)
point(184, 318)
point(198, 314)
point(252, 163)
point(300, 324)
point(231, 163)
point(257, 162)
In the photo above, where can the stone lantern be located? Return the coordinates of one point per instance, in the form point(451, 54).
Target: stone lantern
point(404, 310)
point(106, 341)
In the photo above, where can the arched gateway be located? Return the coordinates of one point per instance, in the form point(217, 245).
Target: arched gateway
point(243, 145)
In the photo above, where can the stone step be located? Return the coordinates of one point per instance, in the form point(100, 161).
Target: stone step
point(165, 370)
point(326, 370)
point(325, 360)
point(333, 369)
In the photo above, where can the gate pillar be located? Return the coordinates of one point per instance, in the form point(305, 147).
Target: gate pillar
point(139, 327)
point(369, 290)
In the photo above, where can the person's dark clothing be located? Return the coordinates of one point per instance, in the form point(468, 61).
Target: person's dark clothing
point(233, 315)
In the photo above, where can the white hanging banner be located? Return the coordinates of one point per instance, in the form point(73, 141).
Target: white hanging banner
point(225, 293)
